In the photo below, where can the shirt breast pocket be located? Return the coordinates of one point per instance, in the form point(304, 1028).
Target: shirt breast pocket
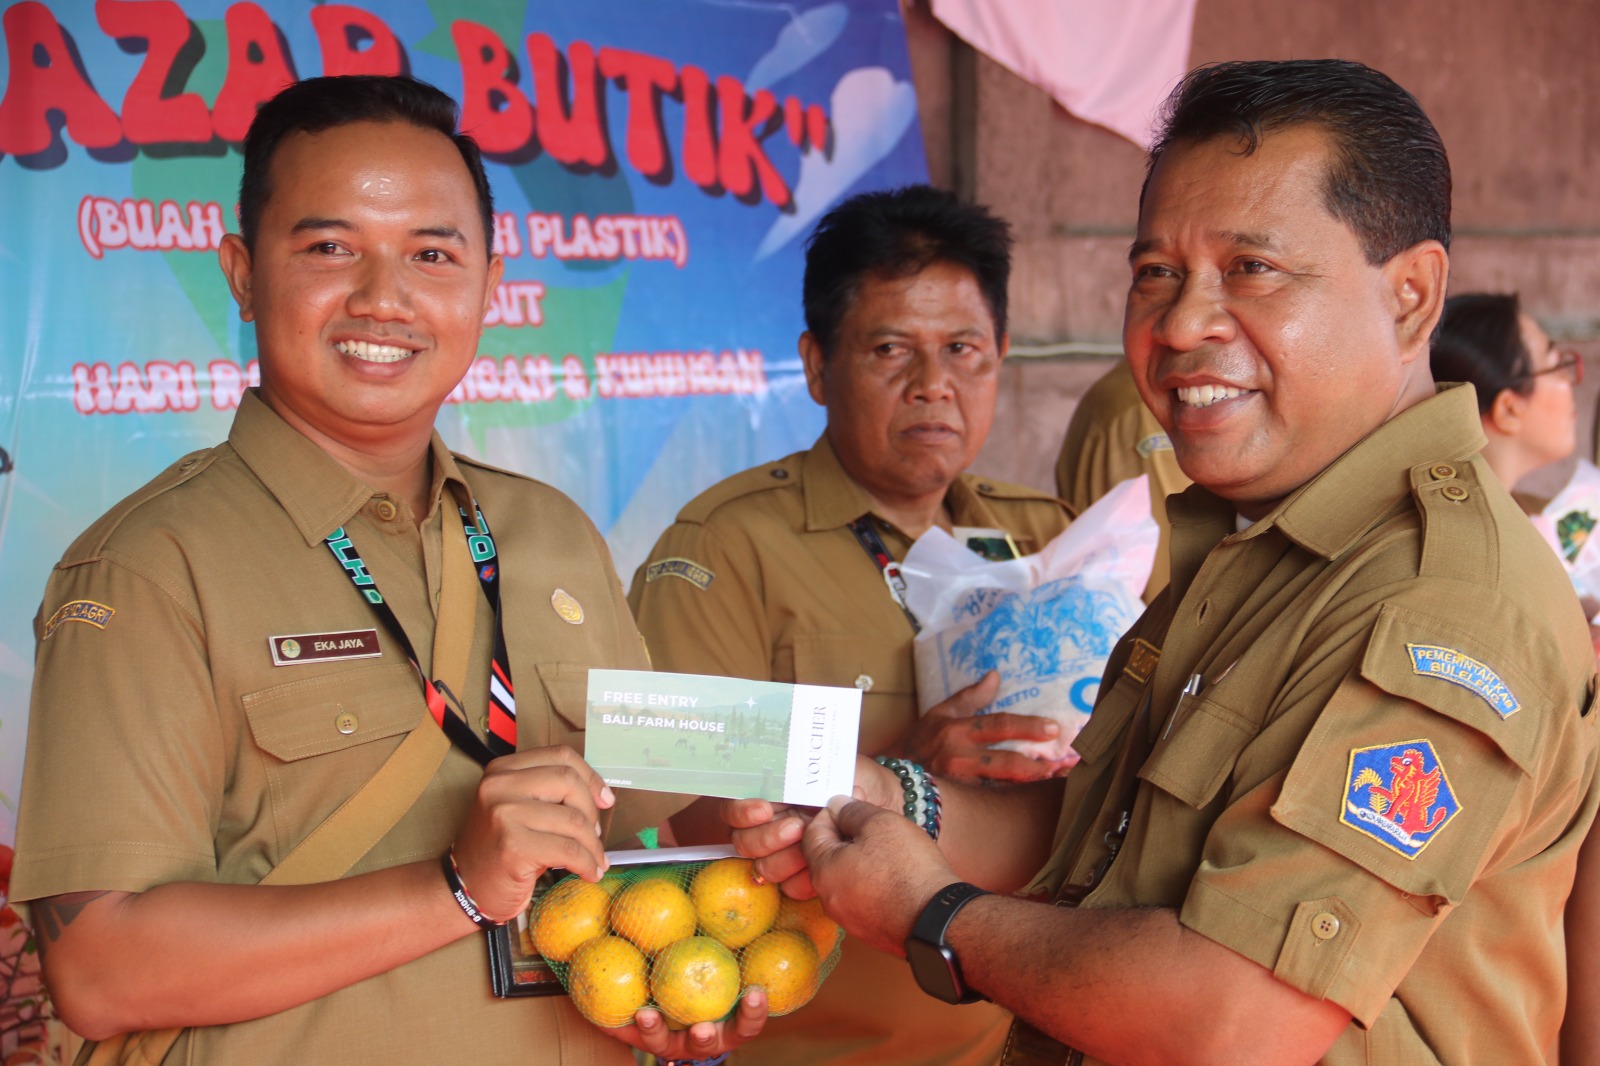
point(1199, 752)
point(566, 686)
point(321, 737)
point(880, 668)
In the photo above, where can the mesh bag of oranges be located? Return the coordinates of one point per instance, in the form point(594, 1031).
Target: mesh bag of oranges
point(688, 938)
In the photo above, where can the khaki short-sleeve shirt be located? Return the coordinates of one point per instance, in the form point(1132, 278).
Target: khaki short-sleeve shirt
point(1113, 437)
point(761, 577)
point(1379, 781)
point(165, 744)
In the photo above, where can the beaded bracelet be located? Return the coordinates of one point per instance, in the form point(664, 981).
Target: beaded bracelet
point(718, 1061)
point(922, 804)
point(452, 878)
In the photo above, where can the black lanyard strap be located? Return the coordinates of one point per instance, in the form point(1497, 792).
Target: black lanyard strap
point(874, 546)
point(502, 731)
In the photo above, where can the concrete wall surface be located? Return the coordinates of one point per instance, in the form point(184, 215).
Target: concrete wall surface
point(1512, 86)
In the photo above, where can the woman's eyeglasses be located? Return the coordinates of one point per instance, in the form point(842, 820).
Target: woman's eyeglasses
point(1570, 365)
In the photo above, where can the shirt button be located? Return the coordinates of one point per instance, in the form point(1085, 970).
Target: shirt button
point(189, 464)
point(345, 723)
point(1455, 492)
point(780, 473)
point(483, 724)
point(1443, 472)
point(1324, 925)
point(984, 486)
point(386, 510)
point(864, 682)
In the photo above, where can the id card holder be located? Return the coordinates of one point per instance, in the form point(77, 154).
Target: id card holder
point(994, 545)
point(515, 969)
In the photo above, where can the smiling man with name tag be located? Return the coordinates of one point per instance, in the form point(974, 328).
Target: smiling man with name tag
point(308, 707)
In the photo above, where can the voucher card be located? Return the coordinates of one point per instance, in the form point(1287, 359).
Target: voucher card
point(722, 736)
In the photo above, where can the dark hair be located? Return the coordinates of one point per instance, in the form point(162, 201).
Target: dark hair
point(1389, 180)
point(318, 104)
point(1480, 340)
point(896, 234)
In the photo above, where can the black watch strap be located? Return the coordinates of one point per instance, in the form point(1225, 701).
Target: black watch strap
point(930, 928)
point(941, 910)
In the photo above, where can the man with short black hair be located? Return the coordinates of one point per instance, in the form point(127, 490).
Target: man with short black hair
point(779, 573)
point(232, 654)
point(1332, 792)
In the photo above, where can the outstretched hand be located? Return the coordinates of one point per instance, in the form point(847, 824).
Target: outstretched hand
point(874, 870)
point(953, 740)
point(769, 833)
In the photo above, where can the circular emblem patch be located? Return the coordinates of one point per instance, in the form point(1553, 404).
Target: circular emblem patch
point(290, 648)
point(568, 608)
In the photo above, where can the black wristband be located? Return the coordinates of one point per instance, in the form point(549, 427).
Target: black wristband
point(469, 906)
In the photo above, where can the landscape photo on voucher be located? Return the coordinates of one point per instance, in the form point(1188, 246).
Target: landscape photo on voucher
point(722, 736)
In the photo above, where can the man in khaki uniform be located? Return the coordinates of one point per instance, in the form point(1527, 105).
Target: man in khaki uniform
point(215, 675)
point(1113, 437)
point(1333, 790)
point(763, 577)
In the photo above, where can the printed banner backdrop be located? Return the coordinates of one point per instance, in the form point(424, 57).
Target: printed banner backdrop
point(656, 165)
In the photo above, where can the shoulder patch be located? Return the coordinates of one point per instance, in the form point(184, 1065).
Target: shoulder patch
point(1399, 795)
point(1447, 664)
point(692, 572)
point(1156, 442)
point(86, 611)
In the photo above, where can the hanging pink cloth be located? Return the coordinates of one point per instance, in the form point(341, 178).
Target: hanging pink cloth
point(1110, 63)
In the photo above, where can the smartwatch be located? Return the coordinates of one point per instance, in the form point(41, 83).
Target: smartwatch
point(933, 962)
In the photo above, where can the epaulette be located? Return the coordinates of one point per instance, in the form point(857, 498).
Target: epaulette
point(780, 474)
point(1005, 490)
point(90, 542)
point(1459, 538)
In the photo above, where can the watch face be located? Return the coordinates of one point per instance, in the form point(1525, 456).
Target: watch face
point(934, 967)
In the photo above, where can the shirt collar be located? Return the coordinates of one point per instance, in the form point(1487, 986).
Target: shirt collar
point(317, 493)
point(1328, 514)
point(834, 499)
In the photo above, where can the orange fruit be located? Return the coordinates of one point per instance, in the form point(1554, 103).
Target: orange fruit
point(731, 905)
point(694, 980)
point(785, 963)
point(607, 981)
point(805, 916)
point(567, 915)
point(652, 913)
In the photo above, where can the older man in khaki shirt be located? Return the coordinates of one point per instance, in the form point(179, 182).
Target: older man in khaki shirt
point(777, 573)
point(1335, 784)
